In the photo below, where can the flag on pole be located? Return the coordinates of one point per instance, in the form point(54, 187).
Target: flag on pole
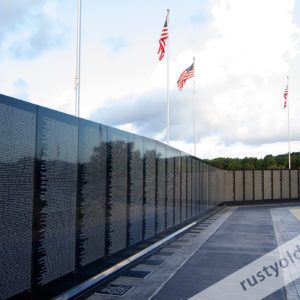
point(185, 75)
point(163, 40)
point(285, 96)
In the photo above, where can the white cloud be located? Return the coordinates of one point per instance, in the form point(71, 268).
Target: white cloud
point(254, 36)
point(240, 76)
point(50, 9)
point(29, 28)
point(243, 50)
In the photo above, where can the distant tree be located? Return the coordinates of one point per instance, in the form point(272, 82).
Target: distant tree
point(282, 161)
point(258, 164)
point(295, 160)
point(252, 163)
point(269, 162)
point(249, 163)
point(235, 164)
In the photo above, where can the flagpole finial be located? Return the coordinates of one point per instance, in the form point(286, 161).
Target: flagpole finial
point(168, 10)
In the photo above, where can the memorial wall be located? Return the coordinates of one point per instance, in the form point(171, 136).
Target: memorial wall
point(91, 191)
point(177, 189)
point(74, 193)
point(248, 185)
point(135, 190)
point(17, 152)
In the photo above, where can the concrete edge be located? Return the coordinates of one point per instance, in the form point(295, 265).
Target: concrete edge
point(84, 286)
point(260, 202)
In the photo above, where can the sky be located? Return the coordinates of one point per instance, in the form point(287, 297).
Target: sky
point(244, 51)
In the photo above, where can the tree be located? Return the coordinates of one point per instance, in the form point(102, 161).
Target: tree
point(252, 163)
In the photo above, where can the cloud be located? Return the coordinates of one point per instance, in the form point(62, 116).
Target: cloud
point(144, 112)
point(253, 40)
point(240, 78)
point(117, 44)
point(230, 115)
point(20, 86)
point(212, 147)
point(243, 55)
point(13, 14)
point(201, 16)
point(20, 83)
point(29, 28)
point(40, 40)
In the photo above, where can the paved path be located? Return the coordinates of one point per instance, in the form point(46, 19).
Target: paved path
point(211, 251)
point(287, 226)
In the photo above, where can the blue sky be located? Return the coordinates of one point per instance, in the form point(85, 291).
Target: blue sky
point(244, 50)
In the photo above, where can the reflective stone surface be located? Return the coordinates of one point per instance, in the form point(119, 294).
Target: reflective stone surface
point(149, 187)
point(161, 187)
point(77, 196)
point(117, 189)
point(183, 188)
point(55, 211)
point(135, 189)
point(17, 150)
point(170, 188)
point(92, 163)
point(189, 187)
point(177, 188)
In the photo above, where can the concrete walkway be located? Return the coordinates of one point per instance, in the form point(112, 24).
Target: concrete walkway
point(208, 253)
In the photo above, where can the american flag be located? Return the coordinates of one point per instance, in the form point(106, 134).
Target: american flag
point(285, 95)
point(163, 40)
point(185, 75)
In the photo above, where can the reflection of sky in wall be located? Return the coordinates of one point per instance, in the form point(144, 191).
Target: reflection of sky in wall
point(242, 57)
point(22, 147)
point(58, 141)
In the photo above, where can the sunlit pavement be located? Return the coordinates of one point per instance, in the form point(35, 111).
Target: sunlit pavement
point(209, 252)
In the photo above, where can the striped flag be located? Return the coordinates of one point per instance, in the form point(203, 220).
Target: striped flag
point(185, 75)
point(163, 40)
point(285, 95)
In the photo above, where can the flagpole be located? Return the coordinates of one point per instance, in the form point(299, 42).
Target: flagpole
point(78, 48)
point(168, 80)
point(289, 143)
point(194, 106)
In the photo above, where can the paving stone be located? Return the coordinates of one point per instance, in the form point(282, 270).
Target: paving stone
point(225, 252)
point(147, 287)
point(134, 273)
point(165, 253)
point(182, 241)
point(174, 246)
point(152, 262)
point(287, 227)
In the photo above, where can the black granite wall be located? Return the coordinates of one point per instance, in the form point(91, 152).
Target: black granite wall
point(74, 192)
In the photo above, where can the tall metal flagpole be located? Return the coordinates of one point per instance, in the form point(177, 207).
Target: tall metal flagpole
point(289, 143)
point(78, 48)
point(168, 81)
point(194, 106)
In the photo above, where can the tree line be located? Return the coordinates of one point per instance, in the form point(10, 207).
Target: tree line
point(251, 163)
